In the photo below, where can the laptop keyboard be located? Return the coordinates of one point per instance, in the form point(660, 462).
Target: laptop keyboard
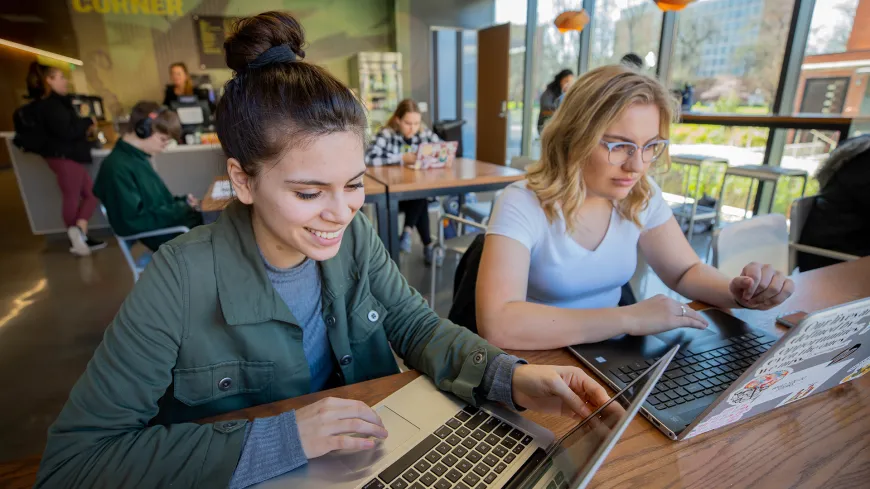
point(697, 374)
point(468, 452)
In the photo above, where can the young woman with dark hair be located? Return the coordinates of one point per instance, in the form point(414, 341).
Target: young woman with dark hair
point(289, 292)
point(66, 149)
point(395, 144)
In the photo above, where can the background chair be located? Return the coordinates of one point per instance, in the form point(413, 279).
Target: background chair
point(800, 210)
point(137, 265)
point(762, 239)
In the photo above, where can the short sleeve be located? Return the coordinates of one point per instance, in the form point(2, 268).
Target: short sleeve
point(518, 215)
point(658, 211)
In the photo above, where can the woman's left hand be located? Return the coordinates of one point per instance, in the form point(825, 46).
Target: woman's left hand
point(566, 391)
point(761, 287)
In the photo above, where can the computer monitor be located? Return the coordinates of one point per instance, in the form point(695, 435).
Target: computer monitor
point(193, 113)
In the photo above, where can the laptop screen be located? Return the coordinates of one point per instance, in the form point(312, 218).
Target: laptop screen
point(576, 457)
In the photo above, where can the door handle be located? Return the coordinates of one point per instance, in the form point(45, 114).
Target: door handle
point(503, 112)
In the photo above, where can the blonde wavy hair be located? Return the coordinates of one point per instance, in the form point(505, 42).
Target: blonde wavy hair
point(595, 102)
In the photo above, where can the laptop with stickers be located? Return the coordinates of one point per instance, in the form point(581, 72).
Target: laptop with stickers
point(731, 371)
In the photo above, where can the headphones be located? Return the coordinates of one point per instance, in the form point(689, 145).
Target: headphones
point(143, 127)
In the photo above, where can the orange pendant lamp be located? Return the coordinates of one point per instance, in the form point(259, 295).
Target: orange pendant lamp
point(673, 5)
point(572, 20)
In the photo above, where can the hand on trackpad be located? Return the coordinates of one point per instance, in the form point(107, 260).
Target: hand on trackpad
point(399, 429)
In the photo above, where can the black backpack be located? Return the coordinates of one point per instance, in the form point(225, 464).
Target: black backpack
point(30, 133)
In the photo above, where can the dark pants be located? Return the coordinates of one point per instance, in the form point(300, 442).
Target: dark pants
point(417, 216)
point(76, 188)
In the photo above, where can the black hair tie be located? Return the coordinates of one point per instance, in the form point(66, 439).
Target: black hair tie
point(276, 54)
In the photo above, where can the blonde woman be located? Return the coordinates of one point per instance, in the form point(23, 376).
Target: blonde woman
point(572, 231)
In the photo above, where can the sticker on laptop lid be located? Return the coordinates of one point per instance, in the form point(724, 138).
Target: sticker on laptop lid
point(801, 384)
point(857, 371)
point(726, 417)
point(818, 337)
point(755, 387)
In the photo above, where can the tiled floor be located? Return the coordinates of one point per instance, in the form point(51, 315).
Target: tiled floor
point(54, 309)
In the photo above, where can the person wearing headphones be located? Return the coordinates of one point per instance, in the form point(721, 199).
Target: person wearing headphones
point(135, 197)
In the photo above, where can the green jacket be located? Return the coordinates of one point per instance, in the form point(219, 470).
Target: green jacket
point(205, 311)
point(135, 197)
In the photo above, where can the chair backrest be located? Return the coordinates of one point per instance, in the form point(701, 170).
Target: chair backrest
point(762, 239)
point(521, 162)
point(463, 310)
point(798, 214)
point(800, 210)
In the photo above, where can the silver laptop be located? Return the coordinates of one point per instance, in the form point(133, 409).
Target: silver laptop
point(735, 374)
point(436, 441)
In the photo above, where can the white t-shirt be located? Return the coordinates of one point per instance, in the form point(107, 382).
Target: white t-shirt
point(561, 272)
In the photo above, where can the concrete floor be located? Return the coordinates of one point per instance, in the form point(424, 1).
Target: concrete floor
point(54, 309)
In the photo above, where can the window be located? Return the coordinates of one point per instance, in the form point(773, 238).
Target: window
point(620, 27)
point(825, 85)
point(553, 52)
point(749, 63)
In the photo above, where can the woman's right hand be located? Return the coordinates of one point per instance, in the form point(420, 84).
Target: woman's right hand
point(409, 158)
point(328, 424)
point(660, 313)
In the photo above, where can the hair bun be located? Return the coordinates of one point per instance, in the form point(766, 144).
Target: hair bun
point(252, 36)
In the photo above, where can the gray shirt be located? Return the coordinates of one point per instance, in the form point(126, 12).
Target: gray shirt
point(300, 289)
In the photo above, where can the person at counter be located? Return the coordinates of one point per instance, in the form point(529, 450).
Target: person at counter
point(181, 84)
point(397, 143)
point(66, 149)
point(136, 198)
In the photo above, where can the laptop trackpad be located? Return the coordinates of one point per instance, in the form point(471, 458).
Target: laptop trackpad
point(684, 336)
point(399, 429)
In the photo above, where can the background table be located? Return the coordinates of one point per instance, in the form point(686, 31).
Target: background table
point(464, 176)
point(819, 442)
point(376, 194)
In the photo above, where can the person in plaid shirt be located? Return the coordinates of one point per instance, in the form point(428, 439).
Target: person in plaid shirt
point(396, 143)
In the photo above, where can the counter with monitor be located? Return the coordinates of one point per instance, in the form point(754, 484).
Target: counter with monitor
point(185, 169)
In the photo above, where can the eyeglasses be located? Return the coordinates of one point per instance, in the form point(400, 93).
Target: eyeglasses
point(619, 153)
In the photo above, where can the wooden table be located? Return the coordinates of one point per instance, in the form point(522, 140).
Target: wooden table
point(464, 176)
point(819, 442)
point(376, 194)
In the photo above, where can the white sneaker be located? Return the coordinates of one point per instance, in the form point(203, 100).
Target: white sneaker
point(77, 240)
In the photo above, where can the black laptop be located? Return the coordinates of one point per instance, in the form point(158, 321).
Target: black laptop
point(708, 362)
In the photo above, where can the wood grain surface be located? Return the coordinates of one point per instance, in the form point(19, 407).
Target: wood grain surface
point(463, 172)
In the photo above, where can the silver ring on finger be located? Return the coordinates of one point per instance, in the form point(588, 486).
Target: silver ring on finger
point(682, 310)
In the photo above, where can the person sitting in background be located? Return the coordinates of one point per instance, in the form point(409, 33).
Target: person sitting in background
point(840, 217)
point(561, 245)
point(181, 84)
point(552, 96)
point(397, 143)
point(135, 197)
point(66, 149)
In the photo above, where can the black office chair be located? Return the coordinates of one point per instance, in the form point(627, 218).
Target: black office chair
point(462, 312)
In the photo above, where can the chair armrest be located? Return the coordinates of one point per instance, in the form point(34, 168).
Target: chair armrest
point(467, 222)
point(835, 255)
point(156, 232)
